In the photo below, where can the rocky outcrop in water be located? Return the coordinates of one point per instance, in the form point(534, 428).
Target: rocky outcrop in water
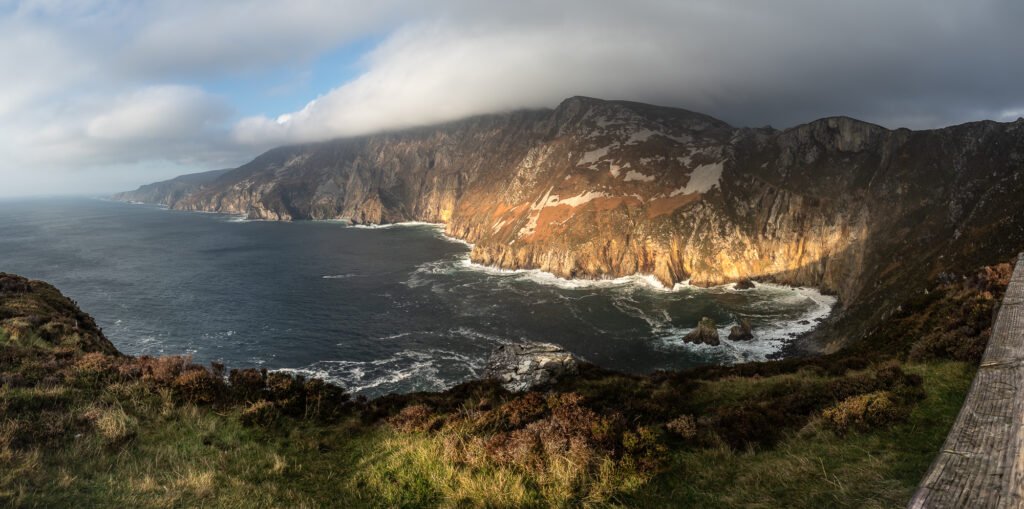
point(742, 331)
point(610, 188)
point(706, 333)
point(524, 366)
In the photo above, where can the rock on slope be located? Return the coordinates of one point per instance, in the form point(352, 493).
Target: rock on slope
point(609, 188)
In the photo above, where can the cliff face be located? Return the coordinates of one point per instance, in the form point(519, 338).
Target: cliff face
point(170, 191)
point(603, 188)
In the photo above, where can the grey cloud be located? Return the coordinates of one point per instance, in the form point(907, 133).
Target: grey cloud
point(90, 72)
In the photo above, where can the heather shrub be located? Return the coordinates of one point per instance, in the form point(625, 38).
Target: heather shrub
point(644, 447)
point(415, 418)
point(862, 412)
point(324, 400)
point(92, 367)
point(684, 426)
point(282, 386)
point(521, 410)
point(964, 344)
point(163, 370)
point(260, 413)
point(247, 384)
point(569, 431)
point(740, 426)
point(197, 386)
point(287, 392)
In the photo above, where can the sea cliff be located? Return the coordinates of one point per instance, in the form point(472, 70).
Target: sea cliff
point(597, 188)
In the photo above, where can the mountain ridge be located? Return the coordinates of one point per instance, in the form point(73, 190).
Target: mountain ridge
point(599, 188)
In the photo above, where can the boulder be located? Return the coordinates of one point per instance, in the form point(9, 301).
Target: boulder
point(522, 367)
point(705, 333)
point(744, 284)
point(741, 332)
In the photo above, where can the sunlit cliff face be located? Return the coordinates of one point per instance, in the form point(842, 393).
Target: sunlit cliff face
point(606, 189)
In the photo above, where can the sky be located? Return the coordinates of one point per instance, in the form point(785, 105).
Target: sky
point(99, 96)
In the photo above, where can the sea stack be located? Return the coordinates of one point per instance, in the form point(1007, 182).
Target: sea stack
point(705, 333)
point(742, 331)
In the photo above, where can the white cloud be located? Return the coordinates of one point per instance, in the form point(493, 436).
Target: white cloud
point(190, 37)
point(434, 73)
point(36, 63)
point(168, 112)
point(920, 64)
point(97, 84)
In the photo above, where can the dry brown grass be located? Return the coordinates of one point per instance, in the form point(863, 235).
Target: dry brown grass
point(112, 423)
point(199, 483)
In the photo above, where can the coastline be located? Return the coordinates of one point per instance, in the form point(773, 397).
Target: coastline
point(776, 342)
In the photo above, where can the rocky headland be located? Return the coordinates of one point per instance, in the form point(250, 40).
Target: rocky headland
point(598, 188)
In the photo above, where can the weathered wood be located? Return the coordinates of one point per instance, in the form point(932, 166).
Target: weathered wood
point(982, 462)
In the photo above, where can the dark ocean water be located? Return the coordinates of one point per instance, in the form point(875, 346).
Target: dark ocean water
point(374, 309)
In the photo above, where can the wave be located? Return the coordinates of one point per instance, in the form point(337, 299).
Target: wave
point(438, 228)
point(404, 371)
point(403, 224)
point(770, 338)
point(538, 276)
point(339, 276)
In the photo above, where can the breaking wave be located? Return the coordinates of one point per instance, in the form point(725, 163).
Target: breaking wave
point(404, 371)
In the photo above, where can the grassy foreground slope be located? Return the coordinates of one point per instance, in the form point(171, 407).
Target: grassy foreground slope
point(83, 426)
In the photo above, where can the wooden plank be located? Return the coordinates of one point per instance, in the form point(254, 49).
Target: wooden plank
point(982, 462)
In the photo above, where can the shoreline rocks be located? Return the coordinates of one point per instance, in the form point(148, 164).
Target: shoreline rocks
point(706, 333)
point(744, 284)
point(522, 367)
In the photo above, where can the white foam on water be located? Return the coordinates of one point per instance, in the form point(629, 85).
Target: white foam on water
point(339, 276)
point(477, 335)
point(403, 224)
point(768, 339)
point(436, 227)
point(401, 372)
point(538, 276)
point(420, 369)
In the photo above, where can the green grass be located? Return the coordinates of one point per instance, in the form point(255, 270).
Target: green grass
point(815, 467)
point(98, 430)
point(163, 454)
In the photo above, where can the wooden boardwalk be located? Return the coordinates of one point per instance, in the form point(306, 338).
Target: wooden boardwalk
point(982, 462)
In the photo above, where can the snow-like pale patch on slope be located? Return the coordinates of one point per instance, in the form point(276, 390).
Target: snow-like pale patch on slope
point(552, 200)
point(576, 201)
point(640, 136)
point(593, 156)
point(635, 175)
point(702, 179)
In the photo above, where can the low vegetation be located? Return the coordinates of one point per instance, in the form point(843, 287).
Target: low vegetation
point(82, 426)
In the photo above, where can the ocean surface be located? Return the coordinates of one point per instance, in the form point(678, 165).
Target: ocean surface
point(377, 310)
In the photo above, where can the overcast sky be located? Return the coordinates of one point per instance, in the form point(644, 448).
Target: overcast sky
point(98, 96)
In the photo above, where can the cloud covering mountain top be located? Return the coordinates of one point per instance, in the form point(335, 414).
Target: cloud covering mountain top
point(102, 95)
